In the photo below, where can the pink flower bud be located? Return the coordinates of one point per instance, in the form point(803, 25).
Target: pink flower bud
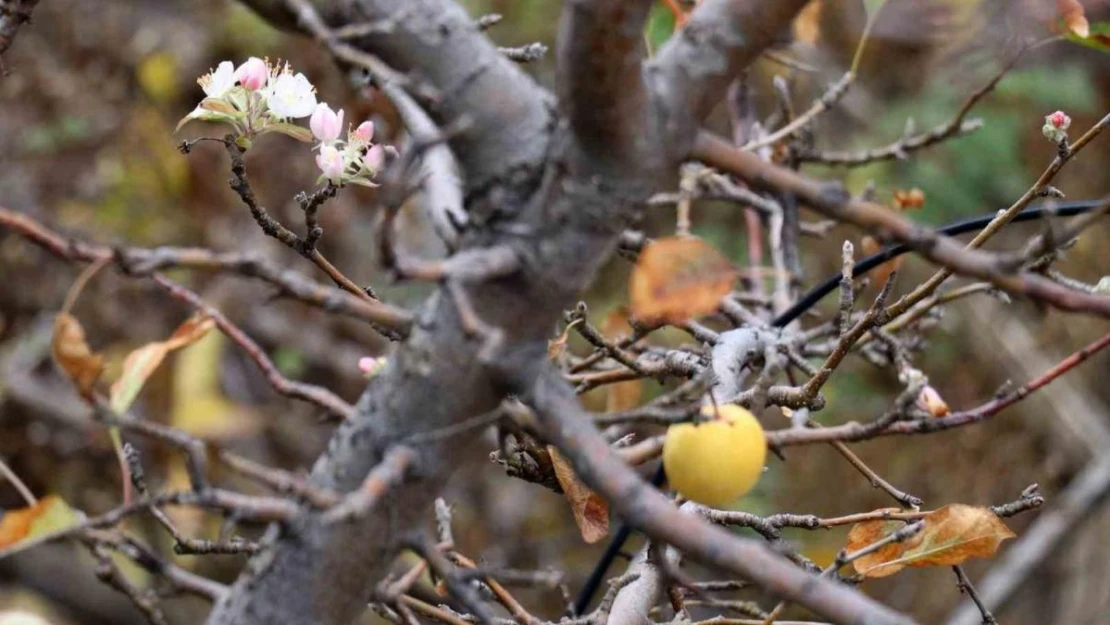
point(364, 132)
point(325, 123)
point(252, 74)
point(375, 158)
point(932, 402)
point(1059, 120)
point(330, 162)
point(370, 366)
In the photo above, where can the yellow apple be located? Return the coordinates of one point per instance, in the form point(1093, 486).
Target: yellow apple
point(715, 462)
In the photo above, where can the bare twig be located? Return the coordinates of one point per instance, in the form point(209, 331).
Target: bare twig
point(311, 393)
point(855, 431)
point(832, 201)
point(17, 483)
point(140, 262)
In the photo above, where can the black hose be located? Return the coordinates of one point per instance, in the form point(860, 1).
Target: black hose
point(815, 295)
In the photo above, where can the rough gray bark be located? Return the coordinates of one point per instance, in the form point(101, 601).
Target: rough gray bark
point(559, 196)
point(310, 573)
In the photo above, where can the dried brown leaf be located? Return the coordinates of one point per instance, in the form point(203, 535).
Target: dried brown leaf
point(870, 532)
point(72, 353)
point(951, 535)
point(679, 278)
point(557, 346)
point(591, 512)
point(868, 245)
point(909, 199)
point(141, 363)
point(49, 515)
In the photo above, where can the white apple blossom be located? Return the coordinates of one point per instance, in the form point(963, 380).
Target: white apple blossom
point(290, 96)
point(216, 84)
point(331, 163)
point(258, 98)
point(375, 158)
point(325, 123)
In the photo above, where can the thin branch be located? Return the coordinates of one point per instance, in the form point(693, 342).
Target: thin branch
point(439, 173)
point(17, 483)
point(964, 584)
point(1084, 496)
point(721, 38)
point(595, 463)
point(281, 481)
point(109, 573)
point(508, 111)
point(855, 431)
point(262, 509)
point(528, 53)
point(393, 322)
point(903, 147)
point(460, 588)
point(310, 393)
point(381, 479)
point(830, 97)
point(600, 83)
point(834, 202)
point(1004, 217)
point(305, 247)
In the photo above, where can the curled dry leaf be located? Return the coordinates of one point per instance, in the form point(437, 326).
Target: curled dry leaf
point(679, 278)
point(141, 363)
point(951, 535)
point(591, 512)
point(557, 346)
point(1074, 18)
point(870, 532)
point(49, 515)
point(137, 368)
point(868, 245)
point(911, 199)
point(71, 352)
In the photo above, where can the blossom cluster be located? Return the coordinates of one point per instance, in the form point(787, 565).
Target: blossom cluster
point(257, 98)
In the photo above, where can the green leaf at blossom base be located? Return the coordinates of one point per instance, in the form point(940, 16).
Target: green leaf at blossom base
point(216, 105)
point(300, 133)
point(1099, 37)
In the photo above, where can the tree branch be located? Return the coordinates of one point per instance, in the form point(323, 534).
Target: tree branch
point(833, 201)
point(392, 322)
point(691, 73)
point(530, 189)
point(601, 89)
point(570, 427)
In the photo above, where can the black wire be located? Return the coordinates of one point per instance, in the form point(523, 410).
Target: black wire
point(815, 295)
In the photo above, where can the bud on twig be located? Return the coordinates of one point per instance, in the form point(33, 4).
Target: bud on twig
point(1056, 127)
